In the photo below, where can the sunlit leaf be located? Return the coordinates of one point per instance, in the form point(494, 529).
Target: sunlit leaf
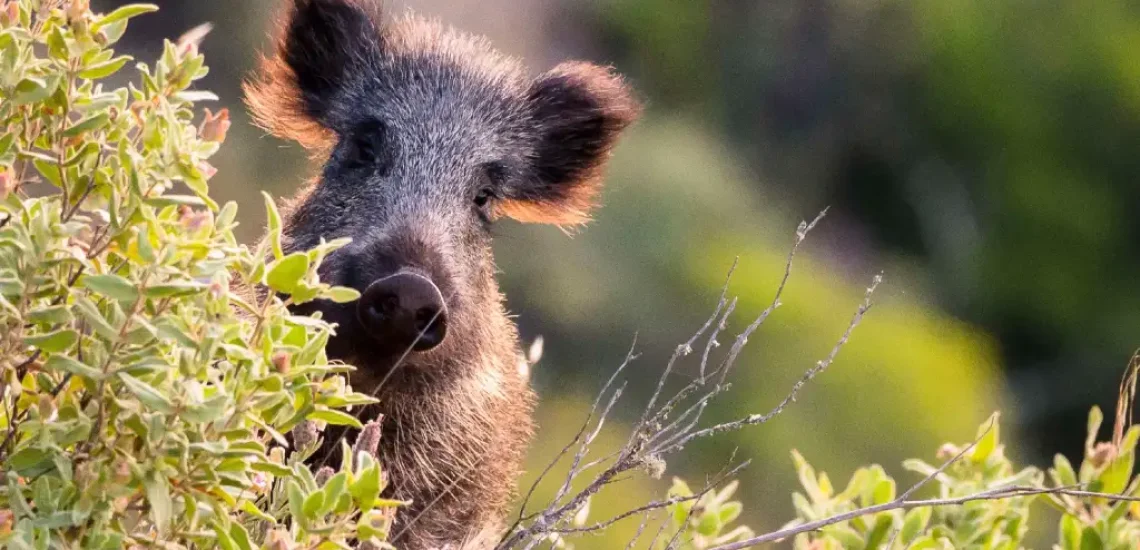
point(123, 13)
point(285, 274)
point(112, 286)
point(147, 394)
point(69, 365)
point(53, 342)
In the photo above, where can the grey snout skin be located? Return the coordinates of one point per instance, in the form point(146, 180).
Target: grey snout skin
point(404, 311)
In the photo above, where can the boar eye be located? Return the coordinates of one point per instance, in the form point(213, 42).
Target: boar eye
point(369, 147)
point(484, 197)
point(491, 176)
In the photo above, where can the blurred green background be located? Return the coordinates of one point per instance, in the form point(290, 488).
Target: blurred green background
point(983, 155)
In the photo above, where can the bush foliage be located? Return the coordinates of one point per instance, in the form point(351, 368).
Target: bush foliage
point(146, 388)
point(992, 515)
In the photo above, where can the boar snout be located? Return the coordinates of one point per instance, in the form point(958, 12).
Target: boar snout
point(404, 311)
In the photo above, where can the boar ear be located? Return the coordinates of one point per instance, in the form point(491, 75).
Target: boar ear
point(578, 111)
point(323, 47)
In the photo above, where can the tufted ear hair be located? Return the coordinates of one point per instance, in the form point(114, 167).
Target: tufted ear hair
point(323, 47)
point(577, 111)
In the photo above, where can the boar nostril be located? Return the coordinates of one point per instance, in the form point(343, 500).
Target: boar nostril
point(404, 311)
point(424, 317)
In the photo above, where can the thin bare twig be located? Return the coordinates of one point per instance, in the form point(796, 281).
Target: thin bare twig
point(668, 422)
point(640, 529)
point(658, 504)
point(629, 357)
point(681, 440)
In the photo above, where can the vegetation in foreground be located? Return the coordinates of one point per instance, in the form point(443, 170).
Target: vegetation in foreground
point(145, 400)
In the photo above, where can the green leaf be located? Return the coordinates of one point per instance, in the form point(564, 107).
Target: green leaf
point(67, 364)
point(333, 489)
point(207, 411)
point(224, 540)
point(161, 504)
point(51, 315)
point(57, 44)
point(240, 536)
point(270, 468)
point(1070, 533)
point(6, 141)
point(104, 69)
point(1090, 539)
point(273, 219)
point(884, 491)
point(1128, 442)
point(126, 12)
point(297, 503)
point(49, 170)
point(227, 215)
point(914, 523)
point(53, 342)
point(336, 418)
point(91, 123)
point(847, 537)
point(111, 286)
point(1062, 472)
point(729, 511)
point(1095, 419)
point(879, 531)
point(286, 273)
point(804, 509)
point(28, 459)
point(82, 154)
point(342, 294)
point(313, 504)
point(366, 487)
point(146, 393)
point(807, 478)
point(114, 31)
point(174, 290)
point(161, 201)
point(708, 524)
point(305, 293)
point(988, 440)
point(31, 90)
point(346, 400)
point(90, 313)
point(252, 509)
point(1114, 478)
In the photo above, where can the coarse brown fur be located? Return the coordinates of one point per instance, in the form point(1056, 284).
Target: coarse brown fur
point(425, 135)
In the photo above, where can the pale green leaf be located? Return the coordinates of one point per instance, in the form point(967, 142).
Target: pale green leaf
point(285, 274)
point(69, 365)
point(53, 342)
point(161, 504)
point(336, 418)
point(342, 294)
point(111, 286)
point(146, 393)
point(89, 124)
point(31, 90)
point(273, 231)
point(123, 13)
point(104, 69)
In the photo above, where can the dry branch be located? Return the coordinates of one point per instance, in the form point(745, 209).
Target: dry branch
point(661, 429)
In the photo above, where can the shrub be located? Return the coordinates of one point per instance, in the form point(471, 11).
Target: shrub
point(146, 384)
point(982, 500)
